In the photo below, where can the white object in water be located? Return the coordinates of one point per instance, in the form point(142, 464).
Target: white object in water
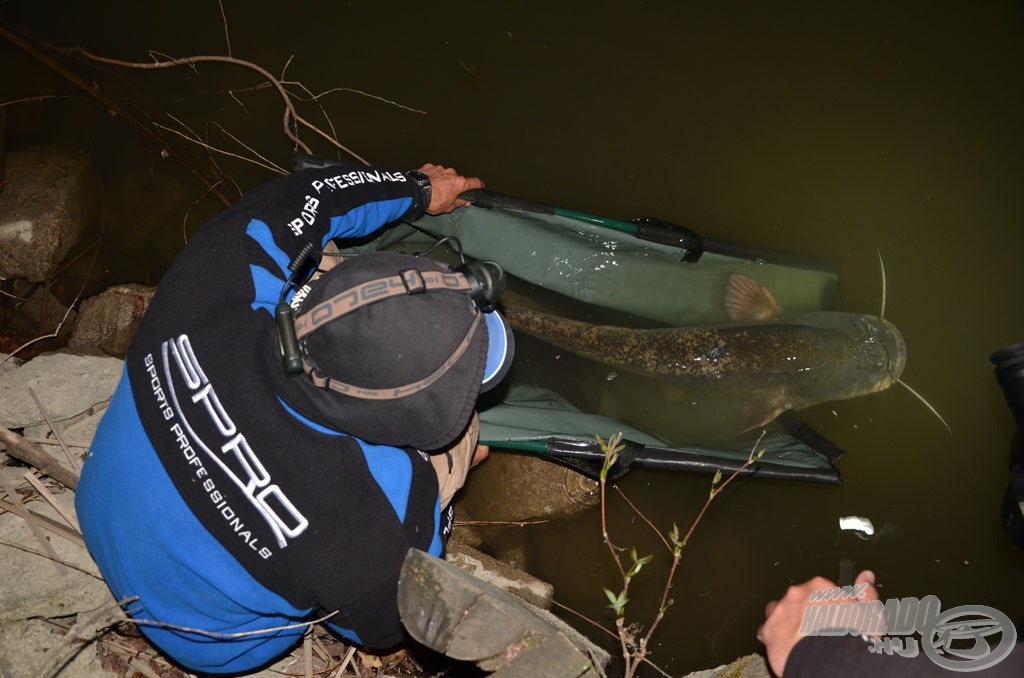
point(857, 524)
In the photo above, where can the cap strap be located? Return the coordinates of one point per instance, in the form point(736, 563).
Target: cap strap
point(392, 393)
point(410, 281)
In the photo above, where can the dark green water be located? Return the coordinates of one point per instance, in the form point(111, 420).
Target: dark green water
point(840, 130)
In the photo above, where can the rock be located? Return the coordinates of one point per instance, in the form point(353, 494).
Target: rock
point(23, 644)
point(32, 586)
point(107, 322)
point(51, 194)
point(496, 573)
point(521, 487)
point(749, 666)
point(67, 385)
point(41, 313)
point(8, 363)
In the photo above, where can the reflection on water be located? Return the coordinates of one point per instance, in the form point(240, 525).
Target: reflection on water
point(837, 132)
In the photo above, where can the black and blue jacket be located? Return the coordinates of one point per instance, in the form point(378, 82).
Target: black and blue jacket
point(212, 496)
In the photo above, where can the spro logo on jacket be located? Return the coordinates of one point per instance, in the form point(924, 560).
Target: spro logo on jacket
point(206, 433)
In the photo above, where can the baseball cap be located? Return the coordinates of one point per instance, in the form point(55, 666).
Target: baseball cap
point(397, 351)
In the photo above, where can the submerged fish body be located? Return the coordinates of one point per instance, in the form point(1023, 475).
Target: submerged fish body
point(783, 360)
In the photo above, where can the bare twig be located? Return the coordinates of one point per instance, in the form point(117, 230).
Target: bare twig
point(56, 433)
point(634, 647)
point(34, 455)
point(503, 523)
point(51, 335)
point(224, 20)
point(71, 306)
point(611, 455)
point(30, 521)
point(291, 119)
point(37, 99)
point(106, 101)
point(29, 549)
point(368, 95)
point(50, 441)
point(644, 518)
point(142, 668)
point(184, 220)
point(260, 162)
point(346, 661)
point(239, 634)
point(717, 489)
point(30, 476)
point(82, 633)
point(265, 162)
point(596, 624)
point(13, 296)
point(58, 528)
point(307, 654)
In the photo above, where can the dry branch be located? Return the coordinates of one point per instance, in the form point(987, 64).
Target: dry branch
point(34, 455)
point(291, 119)
point(17, 509)
point(84, 631)
point(109, 104)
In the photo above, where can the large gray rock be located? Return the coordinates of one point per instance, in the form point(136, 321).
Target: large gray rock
point(51, 194)
point(33, 585)
point(748, 666)
point(67, 385)
point(500, 575)
point(522, 487)
point(9, 363)
point(107, 322)
point(24, 644)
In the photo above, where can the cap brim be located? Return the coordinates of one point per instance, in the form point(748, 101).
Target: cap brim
point(500, 349)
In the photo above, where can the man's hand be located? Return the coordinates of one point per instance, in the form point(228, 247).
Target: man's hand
point(445, 187)
point(783, 618)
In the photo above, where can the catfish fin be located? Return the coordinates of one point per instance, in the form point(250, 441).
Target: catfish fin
point(756, 414)
point(753, 418)
point(747, 300)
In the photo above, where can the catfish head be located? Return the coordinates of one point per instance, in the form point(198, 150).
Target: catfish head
point(842, 355)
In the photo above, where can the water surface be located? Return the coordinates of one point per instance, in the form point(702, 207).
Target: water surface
point(839, 131)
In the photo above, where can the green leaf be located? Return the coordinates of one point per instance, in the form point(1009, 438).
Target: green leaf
point(673, 536)
point(637, 564)
point(617, 603)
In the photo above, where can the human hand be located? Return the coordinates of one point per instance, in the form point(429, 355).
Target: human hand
point(784, 619)
point(446, 185)
point(479, 454)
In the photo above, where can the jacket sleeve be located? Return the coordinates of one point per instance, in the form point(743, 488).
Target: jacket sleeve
point(334, 202)
point(846, 655)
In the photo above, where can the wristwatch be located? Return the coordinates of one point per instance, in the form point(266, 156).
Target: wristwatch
point(423, 181)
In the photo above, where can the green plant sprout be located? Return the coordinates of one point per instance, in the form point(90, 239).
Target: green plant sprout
point(634, 642)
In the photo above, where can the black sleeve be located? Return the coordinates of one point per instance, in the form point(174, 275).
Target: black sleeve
point(326, 203)
point(850, 656)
